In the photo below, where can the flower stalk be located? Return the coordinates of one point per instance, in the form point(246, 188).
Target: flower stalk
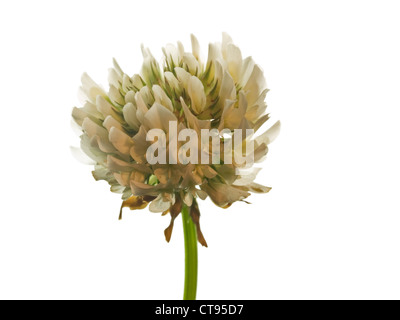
point(191, 260)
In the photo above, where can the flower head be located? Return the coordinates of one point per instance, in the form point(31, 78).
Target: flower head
point(222, 94)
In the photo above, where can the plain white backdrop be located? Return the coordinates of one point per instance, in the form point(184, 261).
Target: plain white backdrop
point(329, 229)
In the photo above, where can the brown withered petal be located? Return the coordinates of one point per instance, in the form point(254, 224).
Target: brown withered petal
point(195, 214)
point(149, 198)
point(175, 210)
point(135, 203)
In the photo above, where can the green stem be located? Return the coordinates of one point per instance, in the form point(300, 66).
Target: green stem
point(190, 235)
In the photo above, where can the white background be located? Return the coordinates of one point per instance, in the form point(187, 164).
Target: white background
point(330, 227)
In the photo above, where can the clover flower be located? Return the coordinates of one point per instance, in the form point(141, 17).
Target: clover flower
point(224, 92)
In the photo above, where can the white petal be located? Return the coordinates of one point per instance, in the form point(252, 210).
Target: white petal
point(226, 114)
point(130, 117)
point(118, 165)
point(192, 121)
point(270, 135)
point(218, 72)
point(139, 176)
point(101, 144)
point(255, 85)
point(123, 178)
point(183, 76)
point(197, 95)
point(114, 78)
point(160, 204)
point(181, 49)
point(247, 69)
point(101, 173)
point(120, 140)
point(214, 52)
point(130, 97)
point(209, 172)
point(201, 194)
point(227, 90)
point(151, 72)
point(147, 95)
point(140, 146)
point(91, 109)
point(162, 174)
point(141, 107)
point(234, 61)
point(117, 189)
point(232, 117)
point(126, 83)
point(191, 63)
point(140, 189)
point(78, 115)
point(172, 55)
point(223, 195)
point(260, 153)
point(195, 47)
point(105, 108)
point(257, 188)
point(172, 81)
point(145, 52)
point(161, 97)
point(158, 117)
point(94, 153)
point(137, 82)
point(226, 40)
point(115, 96)
point(90, 88)
point(117, 67)
point(246, 176)
point(100, 134)
point(260, 122)
point(188, 199)
point(110, 122)
point(254, 112)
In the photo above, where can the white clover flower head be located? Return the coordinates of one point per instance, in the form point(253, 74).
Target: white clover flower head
point(225, 93)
